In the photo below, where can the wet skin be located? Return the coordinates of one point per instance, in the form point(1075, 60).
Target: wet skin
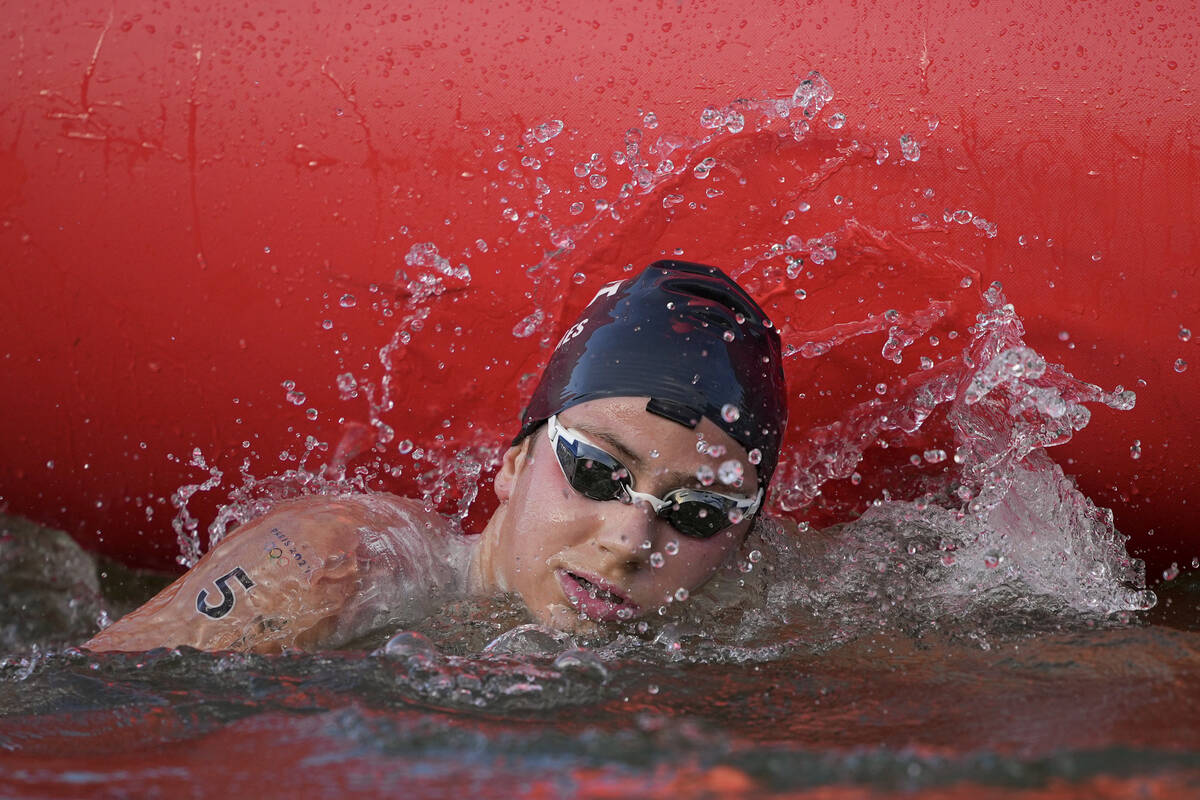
point(573, 559)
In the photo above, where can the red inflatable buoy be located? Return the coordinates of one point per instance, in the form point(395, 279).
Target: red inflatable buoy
point(265, 235)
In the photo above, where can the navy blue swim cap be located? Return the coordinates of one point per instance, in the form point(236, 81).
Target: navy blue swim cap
point(684, 335)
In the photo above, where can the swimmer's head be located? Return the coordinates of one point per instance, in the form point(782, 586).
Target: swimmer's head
point(688, 338)
point(644, 454)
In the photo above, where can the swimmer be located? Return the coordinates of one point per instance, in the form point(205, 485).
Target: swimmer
point(642, 461)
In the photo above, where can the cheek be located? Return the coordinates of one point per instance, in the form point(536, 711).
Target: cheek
point(542, 523)
point(697, 560)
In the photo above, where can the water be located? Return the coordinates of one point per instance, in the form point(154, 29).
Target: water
point(842, 699)
point(936, 607)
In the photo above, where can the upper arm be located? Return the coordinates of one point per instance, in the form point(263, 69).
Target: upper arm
point(285, 580)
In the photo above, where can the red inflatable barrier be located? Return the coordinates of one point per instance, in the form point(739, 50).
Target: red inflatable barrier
point(214, 217)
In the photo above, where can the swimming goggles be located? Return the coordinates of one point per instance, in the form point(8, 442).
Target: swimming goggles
point(597, 475)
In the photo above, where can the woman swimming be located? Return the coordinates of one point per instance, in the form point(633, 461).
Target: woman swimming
point(642, 461)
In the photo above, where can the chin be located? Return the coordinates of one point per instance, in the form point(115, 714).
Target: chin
point(564, 618)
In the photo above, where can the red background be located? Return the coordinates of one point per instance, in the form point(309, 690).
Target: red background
point(187, 189)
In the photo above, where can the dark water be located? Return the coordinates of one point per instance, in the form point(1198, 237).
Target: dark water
point(1080, 708)
point(1032, 702)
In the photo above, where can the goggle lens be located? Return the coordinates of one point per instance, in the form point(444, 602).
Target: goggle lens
point(598, 476)
point(590, 470)
point(698, 518)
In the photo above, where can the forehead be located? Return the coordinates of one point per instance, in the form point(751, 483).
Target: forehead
point(656, 440)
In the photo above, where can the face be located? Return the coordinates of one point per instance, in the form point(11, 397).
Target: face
point(573, 559)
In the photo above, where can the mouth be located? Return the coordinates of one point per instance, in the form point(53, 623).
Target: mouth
point(594, 598)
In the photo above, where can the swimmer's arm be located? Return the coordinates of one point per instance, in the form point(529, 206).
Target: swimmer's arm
point(289, 580)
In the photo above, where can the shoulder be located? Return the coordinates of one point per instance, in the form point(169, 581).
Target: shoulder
point(324, 521)
point(312, 572)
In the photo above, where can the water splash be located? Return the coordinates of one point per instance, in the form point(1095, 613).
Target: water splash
point(991, 401)
point(185, 525)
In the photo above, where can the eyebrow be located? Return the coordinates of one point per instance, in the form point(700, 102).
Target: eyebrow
point(683, 479)
point(611, 438)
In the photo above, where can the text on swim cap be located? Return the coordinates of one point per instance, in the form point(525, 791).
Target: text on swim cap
point(607, 290)
point(572, 332)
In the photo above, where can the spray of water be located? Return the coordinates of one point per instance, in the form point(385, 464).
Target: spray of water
point(996, 526)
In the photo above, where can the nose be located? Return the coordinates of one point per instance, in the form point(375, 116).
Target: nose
point(624, 530)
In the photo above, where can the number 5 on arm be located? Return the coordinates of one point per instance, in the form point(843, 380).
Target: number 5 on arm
point(286, 580)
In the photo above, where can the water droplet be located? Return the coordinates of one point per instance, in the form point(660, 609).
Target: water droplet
point(837, 121)
point(754, 456)
point(711, 118)
point(909, 149)
point(704, 474)
point(802, 207)
point(347, 301)
point(681, 594)
point(510, 214)
point(754, 556)
point(1180, 365)
point(992, 559)
point(800, 294)
point(654, 454)
point(926, 362)
point(730, 412)
point(311, 414)
point(657, 560)
point(1171, 572)
point(405, 447)
point(652, 688)
point(935, 456)
point(1185, 335)
point(672, 547)
point(966, 282)
point(296, 398)
point(1135, 451)
point(597, 180)
point(327, 324)
point(730, 472)
point(881, 388)
point(812, 94)
point(735, 516)
point(526, 327)
point(548, 130)
point(702, 170)
point(650, 120)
